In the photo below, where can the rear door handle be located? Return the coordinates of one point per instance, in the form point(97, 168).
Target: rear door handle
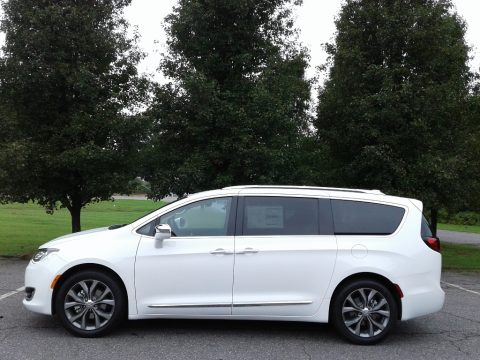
point(221, 251)
point(248, 250)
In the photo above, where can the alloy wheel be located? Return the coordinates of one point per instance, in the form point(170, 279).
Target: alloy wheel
point(89, 304)
point(365, 312)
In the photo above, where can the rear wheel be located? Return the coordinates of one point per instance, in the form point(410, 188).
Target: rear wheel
point(90, 303)
point(364, 312)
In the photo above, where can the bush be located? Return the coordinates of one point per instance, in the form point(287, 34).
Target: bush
point(460, 218)
point(465, 218)
point(443, 216)
point(139, 186)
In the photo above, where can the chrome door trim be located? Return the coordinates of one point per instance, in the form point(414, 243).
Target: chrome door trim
point(273, 303)
point(190, 305)
point(238, 304)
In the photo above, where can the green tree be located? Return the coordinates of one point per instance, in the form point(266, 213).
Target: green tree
point(236, 108)
point(68, 91)
point(471, 151)
point(393, 111)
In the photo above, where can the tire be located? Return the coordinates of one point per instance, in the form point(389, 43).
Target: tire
point(90, 303)
point(364, 312)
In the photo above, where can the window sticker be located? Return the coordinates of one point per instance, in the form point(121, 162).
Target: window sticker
point(265, 217)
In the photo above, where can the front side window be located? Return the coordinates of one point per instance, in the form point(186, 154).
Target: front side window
point(202, 218)
point(280, 216)
point(364, 218)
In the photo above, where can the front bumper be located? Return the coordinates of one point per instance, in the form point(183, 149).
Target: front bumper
point(40, 276)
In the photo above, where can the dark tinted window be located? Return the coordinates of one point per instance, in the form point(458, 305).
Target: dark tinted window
point(148, 229)
point(280, 216)
point(202, 218)
point(425, 230)
point(326, 221)
point(355, 217)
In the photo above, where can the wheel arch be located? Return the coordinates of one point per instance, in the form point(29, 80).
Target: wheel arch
point(394, 289)
point(87, 266)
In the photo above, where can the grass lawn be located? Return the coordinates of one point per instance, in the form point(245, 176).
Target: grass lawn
point(23, 227)
point(460, 257)
point(462, 228)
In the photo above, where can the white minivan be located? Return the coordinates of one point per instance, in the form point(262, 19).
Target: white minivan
point(358, 259)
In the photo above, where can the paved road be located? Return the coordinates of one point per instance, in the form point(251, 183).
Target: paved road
point(167, 199)
point(459, 237)
point(453, 333)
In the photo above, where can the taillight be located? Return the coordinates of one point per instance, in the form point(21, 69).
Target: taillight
point(433, 243)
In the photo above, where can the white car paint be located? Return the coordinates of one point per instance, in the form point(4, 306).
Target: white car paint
point(184, 272)
point(258, 277)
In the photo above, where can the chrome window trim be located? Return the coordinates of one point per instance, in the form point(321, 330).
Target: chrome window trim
point(238, 304)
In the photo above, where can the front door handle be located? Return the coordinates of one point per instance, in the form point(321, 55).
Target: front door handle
point(221, 251)
point(248, 250)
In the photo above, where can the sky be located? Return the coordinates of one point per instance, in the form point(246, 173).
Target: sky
point(315, 20)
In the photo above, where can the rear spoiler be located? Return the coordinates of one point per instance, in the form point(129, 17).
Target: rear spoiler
point(417, 203)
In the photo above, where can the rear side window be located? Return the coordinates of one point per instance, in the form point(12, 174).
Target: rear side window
point(425, 231)
point(363, 218)
point(280, 216)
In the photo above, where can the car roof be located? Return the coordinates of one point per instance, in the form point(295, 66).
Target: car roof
point(293, 187)
point(316, 191)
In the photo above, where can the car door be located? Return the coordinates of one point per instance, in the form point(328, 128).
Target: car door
point(285, 253)
point(192, 272)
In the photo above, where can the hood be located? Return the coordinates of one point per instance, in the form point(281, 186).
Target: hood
point(72, 237)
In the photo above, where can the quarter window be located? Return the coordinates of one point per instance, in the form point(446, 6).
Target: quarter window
point(280, 216)
point(202, 218)
point(425, 229)
point(148, 229)
point(363, 218)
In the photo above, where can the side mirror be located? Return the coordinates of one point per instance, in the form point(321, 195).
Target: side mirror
point(162, 232)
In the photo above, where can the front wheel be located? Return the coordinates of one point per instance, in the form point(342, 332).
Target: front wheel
point(90, 303)
point(364, 312)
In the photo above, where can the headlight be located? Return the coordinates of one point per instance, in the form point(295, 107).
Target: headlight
point(41, 253)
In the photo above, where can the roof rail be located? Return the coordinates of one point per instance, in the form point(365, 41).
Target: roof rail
point(363, 191)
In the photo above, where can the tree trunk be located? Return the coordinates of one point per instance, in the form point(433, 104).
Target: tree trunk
point(75, 214)
point(433, 220)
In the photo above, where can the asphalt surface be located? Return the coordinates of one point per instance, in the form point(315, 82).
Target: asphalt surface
point(459, 237)
point(453, 333)
point(167, 199)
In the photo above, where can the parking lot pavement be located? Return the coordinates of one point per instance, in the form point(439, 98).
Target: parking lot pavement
point(11, 275)
point(453, 333)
